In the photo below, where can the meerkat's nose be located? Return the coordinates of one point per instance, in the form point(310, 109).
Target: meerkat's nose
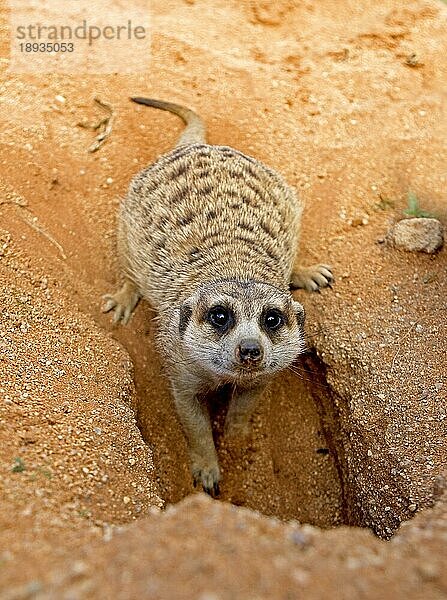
point(249, 351)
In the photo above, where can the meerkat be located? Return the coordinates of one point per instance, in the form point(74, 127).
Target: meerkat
point(208, 236)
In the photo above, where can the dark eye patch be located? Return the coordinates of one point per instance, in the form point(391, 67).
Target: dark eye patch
point(185, 317)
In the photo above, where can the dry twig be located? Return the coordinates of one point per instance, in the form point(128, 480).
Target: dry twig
point(103, 126)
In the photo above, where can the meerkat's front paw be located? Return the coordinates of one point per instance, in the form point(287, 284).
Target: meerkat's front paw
point(207, 475)
point(122, 303)
point(312, 278)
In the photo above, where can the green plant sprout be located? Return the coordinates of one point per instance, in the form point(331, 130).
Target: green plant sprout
point(18, 466)
point(414, 209)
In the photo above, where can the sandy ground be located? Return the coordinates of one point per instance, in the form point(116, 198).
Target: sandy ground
point(356, 436)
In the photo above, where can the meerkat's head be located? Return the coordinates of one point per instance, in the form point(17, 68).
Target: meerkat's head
point(238, 331)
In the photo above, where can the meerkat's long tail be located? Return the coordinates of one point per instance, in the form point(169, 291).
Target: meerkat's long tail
point(194, 133)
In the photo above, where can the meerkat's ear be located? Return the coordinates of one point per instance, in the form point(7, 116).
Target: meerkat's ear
point(298, 309)
point(184, 317)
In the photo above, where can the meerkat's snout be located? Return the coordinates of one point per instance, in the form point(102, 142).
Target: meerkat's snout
point(249, 352)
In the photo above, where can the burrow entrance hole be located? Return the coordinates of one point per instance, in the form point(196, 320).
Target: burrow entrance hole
point(293, 466)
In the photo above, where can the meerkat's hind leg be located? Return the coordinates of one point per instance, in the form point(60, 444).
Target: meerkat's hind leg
point(122, 302)
point(240, 410)
point(312, 278)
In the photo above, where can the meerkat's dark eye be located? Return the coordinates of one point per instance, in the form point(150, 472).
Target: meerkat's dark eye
point(219, 317)
point(273, 319)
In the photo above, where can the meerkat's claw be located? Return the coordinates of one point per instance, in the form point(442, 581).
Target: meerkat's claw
point(208, 478)
point(214, 491)
point(122, 303)
point(312, 278)
point(109, 303)
point(120, 313)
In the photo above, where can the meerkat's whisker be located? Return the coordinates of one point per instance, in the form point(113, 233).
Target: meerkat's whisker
point(305, 377)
